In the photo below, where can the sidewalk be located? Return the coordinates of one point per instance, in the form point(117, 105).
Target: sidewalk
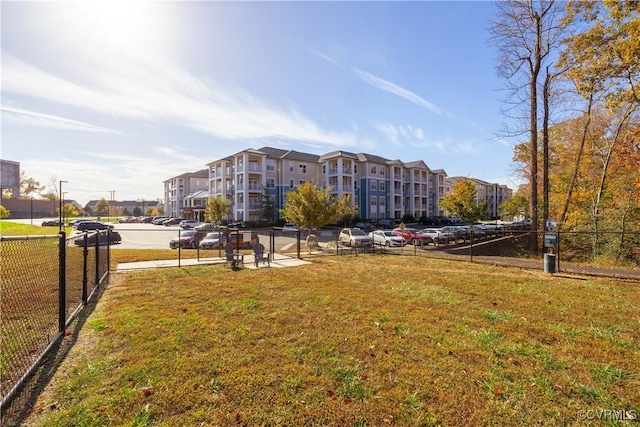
point(279, 261)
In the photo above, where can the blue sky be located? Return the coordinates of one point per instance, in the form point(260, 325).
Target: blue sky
point(121, 95)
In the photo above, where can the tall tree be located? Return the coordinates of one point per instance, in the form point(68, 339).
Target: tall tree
point(29, 185)
point(310, 206)
point(516, 206)
point(462, 202)
point(102, 207)
point(526, 32)
point(216, 209)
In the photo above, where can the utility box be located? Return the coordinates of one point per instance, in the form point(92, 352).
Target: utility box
point(550, 240)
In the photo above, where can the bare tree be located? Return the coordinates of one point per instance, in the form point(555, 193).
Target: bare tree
point(526, 34)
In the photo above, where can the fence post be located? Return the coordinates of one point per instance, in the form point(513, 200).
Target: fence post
point(97, 251)
point(85, 267)
point(62, 280)
point(272, 243)
point(471, 245)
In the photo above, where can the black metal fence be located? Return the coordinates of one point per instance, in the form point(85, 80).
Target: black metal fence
point(46, 281)
point(606, 253)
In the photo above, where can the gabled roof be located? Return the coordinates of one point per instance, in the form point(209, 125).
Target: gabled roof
point(198, 195)
point(417, 164)
point(338, 153)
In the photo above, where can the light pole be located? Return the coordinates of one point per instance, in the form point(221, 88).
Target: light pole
point(60, 194)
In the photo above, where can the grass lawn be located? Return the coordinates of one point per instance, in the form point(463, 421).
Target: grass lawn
point(352, 341)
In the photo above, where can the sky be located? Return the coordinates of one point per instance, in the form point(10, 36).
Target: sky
point(116, 97)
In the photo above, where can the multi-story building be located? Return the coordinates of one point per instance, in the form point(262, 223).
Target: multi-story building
point(381, 188)
point(178, 187)
point(493, 193)
point(247, 178)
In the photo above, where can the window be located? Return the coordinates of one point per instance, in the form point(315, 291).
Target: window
point(382, 201)
point(291, 183)
point(301, 182)
point(382, 186)
point(291, 165)
point(271, 165)
point(373, 169)
point(355, 168)
point(374, 185)
point(382, 171)
point(271, 183)
point(374, 200)
point(324, 169)
point(303, 168)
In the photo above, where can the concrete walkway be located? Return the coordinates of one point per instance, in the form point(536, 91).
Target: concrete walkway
point(279, 261)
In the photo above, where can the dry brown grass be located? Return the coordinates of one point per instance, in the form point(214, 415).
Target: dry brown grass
point(349, 341)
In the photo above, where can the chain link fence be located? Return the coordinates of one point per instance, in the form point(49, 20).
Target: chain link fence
point(45, 282)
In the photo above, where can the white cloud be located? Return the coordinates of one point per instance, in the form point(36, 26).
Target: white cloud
point(149, 89)
point(325, 57)
point(409, 136)
point(31, 118)
point(399, 91)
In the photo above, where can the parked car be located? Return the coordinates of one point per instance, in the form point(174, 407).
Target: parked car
point(459, 232)
point(289, 228)
point(172, 221)
point(110, 236)
point(129, 219)
point(187, 239)
point(236, 225)
point(386, 238)
point(413, 236)
point(93, 225)
point(158, 220)
point(386, 224)
point(75, 222)
point(207, 226)
point(51, 223)
point(354, 237)
point(438, 235)
point(212, 240)
point(188, 223)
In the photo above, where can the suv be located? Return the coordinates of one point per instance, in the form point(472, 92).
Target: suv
point(354, 237)
point(93, 225)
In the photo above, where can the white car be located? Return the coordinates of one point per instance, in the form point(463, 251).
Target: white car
point(354, 237)
point(386, 238)
point(289, 228)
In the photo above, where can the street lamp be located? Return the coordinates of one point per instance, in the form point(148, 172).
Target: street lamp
point(61, 203)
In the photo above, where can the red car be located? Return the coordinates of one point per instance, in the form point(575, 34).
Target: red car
point(413, 236)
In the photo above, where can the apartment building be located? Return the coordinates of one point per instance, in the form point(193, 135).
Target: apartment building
point(178, 187)
point(493, 193)
point(381, 188)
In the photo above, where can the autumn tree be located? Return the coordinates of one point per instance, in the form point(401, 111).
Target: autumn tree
point(102, 207)
point(4, 212)
point(601, 54)
point(515, 206)
point(68, 211)
point(216, 209)
point(310, 206)
point(526, 33)
point(462, 202)
point(29, 186)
